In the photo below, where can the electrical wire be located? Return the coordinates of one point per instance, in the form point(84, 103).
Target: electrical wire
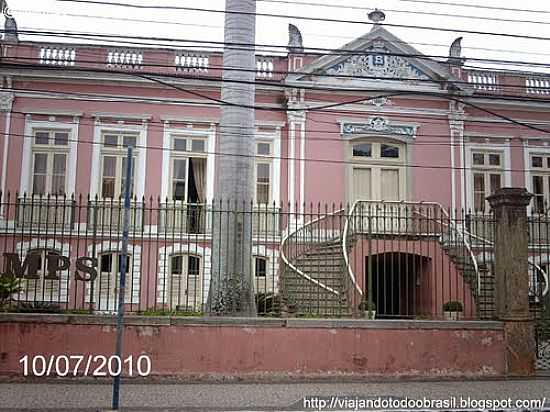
point(332, 105)
point(446, 46)
point(313, 51)
point(423, 13)
point(273, 157)
point(323, 19)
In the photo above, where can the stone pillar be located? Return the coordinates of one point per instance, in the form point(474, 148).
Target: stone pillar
point(512, 278)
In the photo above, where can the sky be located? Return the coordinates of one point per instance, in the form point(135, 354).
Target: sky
point(52, 15)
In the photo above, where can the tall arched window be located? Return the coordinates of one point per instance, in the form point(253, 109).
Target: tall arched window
point(183, 289)
point(42, 289)
point(106, 285)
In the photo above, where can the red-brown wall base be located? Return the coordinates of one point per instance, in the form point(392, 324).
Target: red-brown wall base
point(239, 347)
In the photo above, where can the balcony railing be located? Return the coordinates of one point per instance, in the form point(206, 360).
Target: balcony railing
point(192, 62)
point(45, 212)
point(108, 216)
point(264, 67)
point(58, 56)
point(123, 58)
point(483, 81)
point(537, 85)
point(184, 218)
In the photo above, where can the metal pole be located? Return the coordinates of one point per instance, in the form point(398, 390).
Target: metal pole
point(122, 284)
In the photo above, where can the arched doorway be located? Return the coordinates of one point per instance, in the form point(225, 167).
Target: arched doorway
point(395, 283)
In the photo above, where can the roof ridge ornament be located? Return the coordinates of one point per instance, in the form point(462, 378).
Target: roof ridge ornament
point(10, 25)
point(295, 42)
point(377, 16)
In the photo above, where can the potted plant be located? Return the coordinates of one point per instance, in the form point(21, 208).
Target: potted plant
point(452, 310)
point(369, 308)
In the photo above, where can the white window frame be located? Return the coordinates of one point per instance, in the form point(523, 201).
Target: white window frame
point(274, 139)
point(376, 163)
point(168, 155)
point(27, 161)
point(119, 152)
point(197, 278)
point(140, 155)
point(133, 276)
point(267, 160)
point(186, 155)
point(505, 168)
point(529, 152)
point(164, 254)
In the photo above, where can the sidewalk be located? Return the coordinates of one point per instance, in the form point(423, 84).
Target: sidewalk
point(236, 396)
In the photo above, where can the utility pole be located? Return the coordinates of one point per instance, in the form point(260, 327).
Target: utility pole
point(231, 287)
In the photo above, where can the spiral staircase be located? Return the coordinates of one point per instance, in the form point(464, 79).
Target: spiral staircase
point(318, 278)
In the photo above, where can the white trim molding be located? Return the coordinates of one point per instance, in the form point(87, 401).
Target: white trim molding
point(506, 167)
point(190, 249)
point(26, 161)
point(141, 155)
point(97, 249)
point(210, 136)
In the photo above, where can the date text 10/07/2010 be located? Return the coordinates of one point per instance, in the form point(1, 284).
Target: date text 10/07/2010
point(85, 365)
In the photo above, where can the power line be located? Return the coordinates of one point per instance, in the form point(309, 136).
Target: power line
point(306, 33)
point(424, 13)
point(311, 52)
point(474, 6)
point(280, 157)
point(332, 105)
point(268, 82)
point(243, 132)
point(318, 51)
point(323, 19)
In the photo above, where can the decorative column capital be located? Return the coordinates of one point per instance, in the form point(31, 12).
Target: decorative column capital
point(6, 101)
point(296, 116)
point(513, 197)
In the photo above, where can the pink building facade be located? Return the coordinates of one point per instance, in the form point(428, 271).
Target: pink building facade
point(375, 122)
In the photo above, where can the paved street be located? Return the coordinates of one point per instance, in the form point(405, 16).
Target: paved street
point(234, 396)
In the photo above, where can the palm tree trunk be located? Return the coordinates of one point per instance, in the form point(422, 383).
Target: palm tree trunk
point(231, 286)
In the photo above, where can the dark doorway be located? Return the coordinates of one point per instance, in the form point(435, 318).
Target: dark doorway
point(394, 283)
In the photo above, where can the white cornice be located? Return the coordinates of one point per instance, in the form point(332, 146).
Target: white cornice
point(190, 119)
point(354, 107)
point(489, 135)
point(117, 98)
point(129, 116)
point(509, 103)
point(117, 78)
point(51, 112)
point(529, 122)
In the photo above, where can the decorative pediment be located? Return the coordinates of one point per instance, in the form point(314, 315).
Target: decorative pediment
point(377, 124)
point(376, 56)
point(377, 61)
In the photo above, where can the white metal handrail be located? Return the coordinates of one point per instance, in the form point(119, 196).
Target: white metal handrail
point(544, 275)
point(404, 202)
point(294, 268)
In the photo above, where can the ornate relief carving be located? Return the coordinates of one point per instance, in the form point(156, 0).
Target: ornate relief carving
point(378, 102)
point(6, 101)
point(377, 62)
point(378, 124)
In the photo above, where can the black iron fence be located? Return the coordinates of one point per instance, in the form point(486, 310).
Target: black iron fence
point(406, 260)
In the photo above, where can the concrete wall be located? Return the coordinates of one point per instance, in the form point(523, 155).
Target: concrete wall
point(195, 347)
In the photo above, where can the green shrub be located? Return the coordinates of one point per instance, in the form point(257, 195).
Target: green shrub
point(9, 285)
